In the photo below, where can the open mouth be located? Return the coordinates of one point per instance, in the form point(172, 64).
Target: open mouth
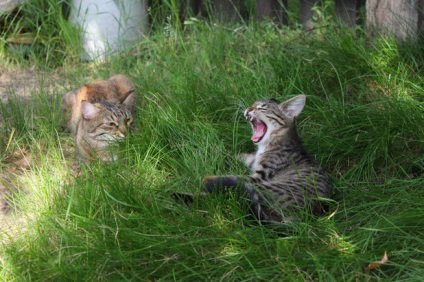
point(259, 129)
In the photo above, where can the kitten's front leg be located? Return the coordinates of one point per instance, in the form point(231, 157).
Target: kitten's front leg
point(248, 159)
point(221, 183)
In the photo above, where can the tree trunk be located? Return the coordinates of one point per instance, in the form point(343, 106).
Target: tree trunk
point(307, 14)
point(346, 11)
point(229, 10)
point(274, 10)
point(403, 18)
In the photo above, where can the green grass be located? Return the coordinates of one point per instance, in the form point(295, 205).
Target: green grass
point(363, 121)
point(51, 40)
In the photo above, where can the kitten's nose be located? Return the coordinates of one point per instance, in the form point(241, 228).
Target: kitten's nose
point(247, 111)
point(122, 131)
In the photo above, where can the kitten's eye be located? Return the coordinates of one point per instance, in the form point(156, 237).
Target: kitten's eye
point(112, 124)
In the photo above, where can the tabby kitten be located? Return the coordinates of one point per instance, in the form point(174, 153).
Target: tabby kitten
point(284, 177)
point(99, 114)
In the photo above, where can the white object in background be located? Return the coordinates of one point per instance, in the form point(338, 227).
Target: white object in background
point(109, 25)
point(7, 6)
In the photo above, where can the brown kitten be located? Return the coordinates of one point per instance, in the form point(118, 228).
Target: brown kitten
point(100, 113)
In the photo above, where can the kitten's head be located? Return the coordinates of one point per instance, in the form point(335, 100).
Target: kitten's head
point(270, 118)
point(100, 125)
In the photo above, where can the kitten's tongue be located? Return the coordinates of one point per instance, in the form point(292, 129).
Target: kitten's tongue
point(259, 130)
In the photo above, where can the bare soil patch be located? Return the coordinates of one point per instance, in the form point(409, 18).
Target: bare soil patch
point(20, 82)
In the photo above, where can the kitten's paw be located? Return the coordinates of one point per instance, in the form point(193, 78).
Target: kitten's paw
point(247, 159)
point(241, 156)
point(208, 179)
point(220, 183)
point(209, 182)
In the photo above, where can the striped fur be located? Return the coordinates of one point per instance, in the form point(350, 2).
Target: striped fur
point(284, 177)
point(99, 114)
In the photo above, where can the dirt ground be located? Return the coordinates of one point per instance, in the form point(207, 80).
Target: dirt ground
point(22, 83)
point(18, 81)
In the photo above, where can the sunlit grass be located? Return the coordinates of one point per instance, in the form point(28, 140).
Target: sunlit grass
point(363, 121)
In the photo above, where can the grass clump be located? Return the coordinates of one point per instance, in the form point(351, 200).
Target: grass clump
point(39, 30)
point(362, 121)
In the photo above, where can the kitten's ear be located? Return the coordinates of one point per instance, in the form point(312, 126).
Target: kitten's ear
point(294, 106)
point(88, 110)
point(129, 98)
